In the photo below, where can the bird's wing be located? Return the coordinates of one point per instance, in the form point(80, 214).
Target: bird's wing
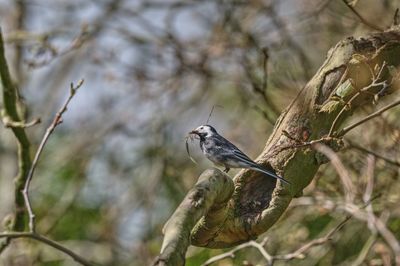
point(255, 166)
point(230, 151)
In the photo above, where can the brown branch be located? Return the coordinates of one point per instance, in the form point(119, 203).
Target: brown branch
point(265, 58)
point(362, 19)
point(360, 148)
point(303, 144)
point(56, 121)
point(260, 88)
point(345, 130)
point(48, 242)
point(396, 17)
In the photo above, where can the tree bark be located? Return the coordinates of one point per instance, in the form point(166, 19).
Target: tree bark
point(208, 199)
point(349, 78)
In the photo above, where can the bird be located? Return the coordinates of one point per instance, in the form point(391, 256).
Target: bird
point(223, 153)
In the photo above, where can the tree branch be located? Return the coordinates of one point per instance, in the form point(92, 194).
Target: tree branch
point(56, 121)
point(345, 130)
point(258, 202)
point(211, 193)
point(24, 160)
point(360, 148)
point(362, 19)
point(48, 242)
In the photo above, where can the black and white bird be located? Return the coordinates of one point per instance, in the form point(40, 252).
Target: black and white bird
point(223, 153)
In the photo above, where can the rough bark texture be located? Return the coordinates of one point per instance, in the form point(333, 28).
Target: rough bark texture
point(208, 197)
point(258, 202)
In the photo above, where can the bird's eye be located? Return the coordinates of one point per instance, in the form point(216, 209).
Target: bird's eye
point(201, 127)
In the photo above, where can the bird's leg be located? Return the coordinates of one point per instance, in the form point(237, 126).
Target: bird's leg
point(226, 170)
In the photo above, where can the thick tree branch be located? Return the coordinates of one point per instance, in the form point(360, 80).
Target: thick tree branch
point(355, 73)
point(210, 195)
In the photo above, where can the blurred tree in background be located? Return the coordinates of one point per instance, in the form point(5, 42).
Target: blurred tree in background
point(115, 170)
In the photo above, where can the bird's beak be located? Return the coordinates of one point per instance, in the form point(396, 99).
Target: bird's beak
point(194, 131)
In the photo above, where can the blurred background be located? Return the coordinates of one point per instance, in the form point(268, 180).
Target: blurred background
point(117, 168)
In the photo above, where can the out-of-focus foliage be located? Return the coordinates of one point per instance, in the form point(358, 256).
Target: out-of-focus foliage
point(115, 170)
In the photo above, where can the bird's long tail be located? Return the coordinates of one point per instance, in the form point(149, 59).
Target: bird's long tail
point(262, 170)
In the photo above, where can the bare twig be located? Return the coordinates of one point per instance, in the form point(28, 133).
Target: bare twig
point(48, 242)
point(261, 87)
point(360, 148)
point(231, 253)
point(368, 191)
point(362, 19)
point(375, 83)
point(56, 121)
point(297, 254)
point(365, 119)
point(389, 237)
point(396, 17)
point(341, 170)
point(76, 43)
point(265, 68)
point(302, 144)
point(8, 122)
point(378, 225)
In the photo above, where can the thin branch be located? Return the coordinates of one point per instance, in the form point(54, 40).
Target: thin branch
point(375, 83)
point(344, 175)
point(396, 17)
point(260, 87)
point(362, 19)
point(336, 120)
point(48, 242)
point(357, 147)
point(302, 144)
point(56, 121)
point(265, 68)
point(297, 254)
point(368, 191)
point(379, 225)
point(231, 253)
point(8, 122)
point(373, 115)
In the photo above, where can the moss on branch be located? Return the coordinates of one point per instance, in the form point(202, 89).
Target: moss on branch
point(10, 98)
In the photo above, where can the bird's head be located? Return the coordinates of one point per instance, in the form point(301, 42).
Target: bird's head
point(204, 131)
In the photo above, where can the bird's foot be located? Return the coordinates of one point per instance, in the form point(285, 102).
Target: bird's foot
point(226, 170)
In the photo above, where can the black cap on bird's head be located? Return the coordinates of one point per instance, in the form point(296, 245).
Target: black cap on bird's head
point(204, 131)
